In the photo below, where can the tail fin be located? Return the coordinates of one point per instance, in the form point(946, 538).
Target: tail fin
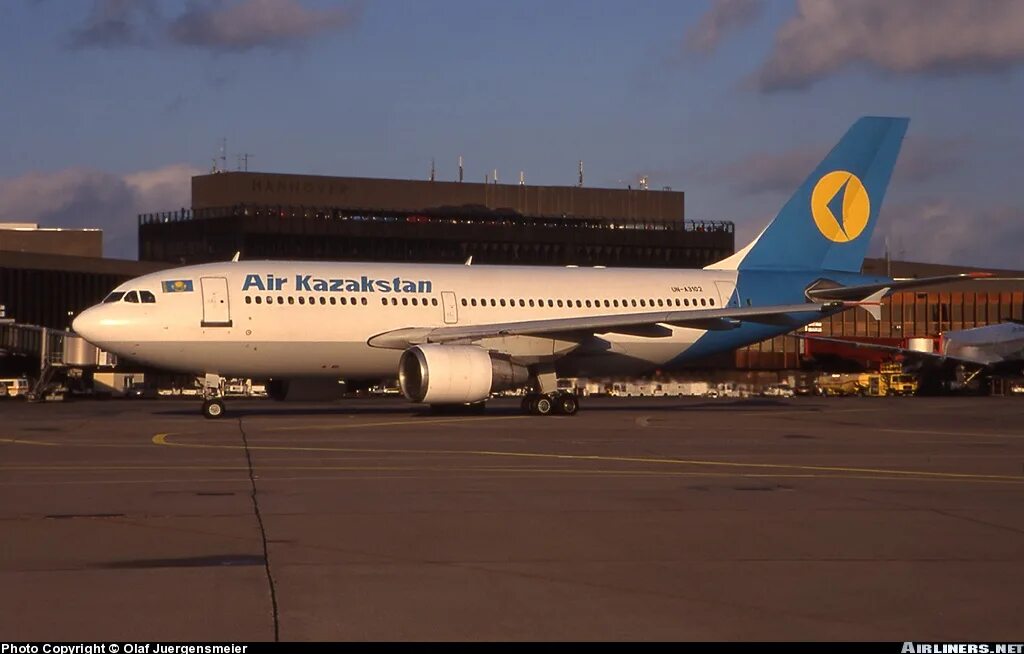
point(827, 223)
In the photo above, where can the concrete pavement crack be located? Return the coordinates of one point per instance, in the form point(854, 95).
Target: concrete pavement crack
point(263, 534)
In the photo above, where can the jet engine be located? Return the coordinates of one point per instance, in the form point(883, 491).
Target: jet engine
point(456, 374)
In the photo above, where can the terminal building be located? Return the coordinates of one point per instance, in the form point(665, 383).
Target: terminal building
point(265, 215)
point(923, 312)
point(48, 275)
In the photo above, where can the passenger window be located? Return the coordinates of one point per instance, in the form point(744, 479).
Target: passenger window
point(248, 300)
point(394, 301)
point(464, 302)
point(364, 301)
point(280, 299)
point(702, 302)
point(132, 296)
point(643, 303)
point(607, 303)
point(501, 301)
point(259, 299)
point(531, 302)
point(579, 303)
point(147, 297)
point(633, 302)
point(113, 297)
point(661, 303)
point(712, 301)
point(472, 301)
point(323, 300)
point(333, 300)
point(302, 300)
point(559, 303)
point(342, 300)
point(615, 303)
point(270, 300)
point(291, 300)
point(416, 302)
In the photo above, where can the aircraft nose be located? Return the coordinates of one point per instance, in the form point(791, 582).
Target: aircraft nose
point(86, 325)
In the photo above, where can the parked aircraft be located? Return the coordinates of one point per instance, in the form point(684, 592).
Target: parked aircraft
point(454, 334)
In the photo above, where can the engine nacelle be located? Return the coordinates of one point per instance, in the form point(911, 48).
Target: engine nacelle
point(310, 389)
point(456, 374)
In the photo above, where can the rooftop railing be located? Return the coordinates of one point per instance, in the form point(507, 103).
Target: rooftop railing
point(437, 218)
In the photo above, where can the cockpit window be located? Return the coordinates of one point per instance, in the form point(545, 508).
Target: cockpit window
point(147, 297)
point(132, 296)
point(113, 297)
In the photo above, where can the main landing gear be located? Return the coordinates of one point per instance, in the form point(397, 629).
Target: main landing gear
point(561, 403)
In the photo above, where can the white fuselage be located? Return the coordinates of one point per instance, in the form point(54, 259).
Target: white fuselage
point(287, 319)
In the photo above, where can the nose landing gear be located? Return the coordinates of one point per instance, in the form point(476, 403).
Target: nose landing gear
point(213, 408)
point(213, 405)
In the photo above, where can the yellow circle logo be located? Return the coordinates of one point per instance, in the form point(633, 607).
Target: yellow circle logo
point(178, 285)
point(840, 206)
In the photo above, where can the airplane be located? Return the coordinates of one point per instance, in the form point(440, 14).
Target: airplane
point(996, 349)
point(455, 334)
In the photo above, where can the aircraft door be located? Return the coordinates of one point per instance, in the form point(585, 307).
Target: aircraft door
point(728, 296)
point(216, 304)
point(451, 311)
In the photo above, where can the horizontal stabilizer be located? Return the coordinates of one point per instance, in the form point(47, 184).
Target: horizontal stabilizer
point(824, 290)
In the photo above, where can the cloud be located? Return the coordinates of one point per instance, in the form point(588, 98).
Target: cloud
point(941, 231)
point(252, 24)
point(116, 23)
point(920, 161)
point(721, 18)
point(80, 197)
point(218, 25)
point(903, 37)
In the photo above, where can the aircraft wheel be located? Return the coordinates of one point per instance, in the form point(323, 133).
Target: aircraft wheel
point(543, 406)
point(566, 404)
point(213, 409)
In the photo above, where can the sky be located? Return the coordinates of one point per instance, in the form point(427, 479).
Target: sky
point(110, 106)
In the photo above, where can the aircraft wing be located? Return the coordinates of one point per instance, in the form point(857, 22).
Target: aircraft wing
point(643, 324)
point(910, 354)
point(823, 292)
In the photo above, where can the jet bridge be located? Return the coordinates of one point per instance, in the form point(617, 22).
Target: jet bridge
point(60, 354)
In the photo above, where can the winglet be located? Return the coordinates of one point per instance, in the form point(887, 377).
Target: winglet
point(238, 255)
point(469, 261)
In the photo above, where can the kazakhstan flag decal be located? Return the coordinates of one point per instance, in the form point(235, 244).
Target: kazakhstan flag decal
point(178, 286)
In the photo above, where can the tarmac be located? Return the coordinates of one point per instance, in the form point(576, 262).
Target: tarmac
point(648, 519)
